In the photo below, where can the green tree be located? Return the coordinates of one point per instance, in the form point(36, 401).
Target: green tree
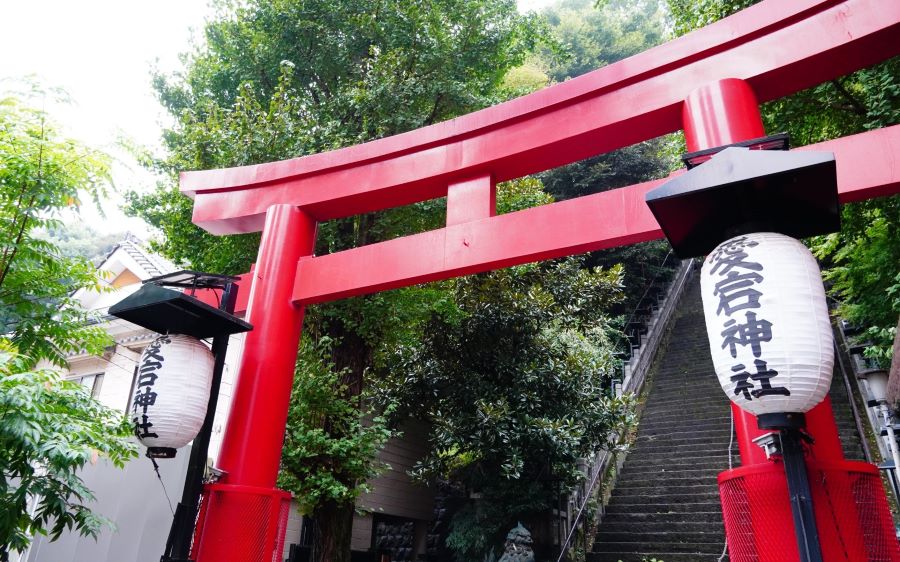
point(42, 175)
point(80, 240)
point(49, 428)
point(283, 79)
point(511, 416)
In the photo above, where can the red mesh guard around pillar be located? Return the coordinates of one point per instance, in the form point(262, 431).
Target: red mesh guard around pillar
point(852, 515)
point(263, 513)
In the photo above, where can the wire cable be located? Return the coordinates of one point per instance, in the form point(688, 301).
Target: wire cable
point(163, 484)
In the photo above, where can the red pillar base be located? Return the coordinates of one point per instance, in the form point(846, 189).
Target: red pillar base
point(248, 520)
point(851, 508)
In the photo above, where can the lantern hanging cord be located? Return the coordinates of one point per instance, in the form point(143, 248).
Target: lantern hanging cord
point(163, 484)
point(730, 447)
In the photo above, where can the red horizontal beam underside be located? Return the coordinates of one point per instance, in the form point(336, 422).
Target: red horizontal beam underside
point(778, 47)
point(867, 167)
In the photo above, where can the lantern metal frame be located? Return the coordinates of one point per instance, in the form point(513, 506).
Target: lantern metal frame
point(159, 307)
point(741, 190)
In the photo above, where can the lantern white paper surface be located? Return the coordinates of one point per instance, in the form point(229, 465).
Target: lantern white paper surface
point(767, 322)
point(171, 391)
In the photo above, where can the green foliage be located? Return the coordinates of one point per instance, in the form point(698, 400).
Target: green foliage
point(328, 448)
point(587, 38)
point(49, 429)
point(689, 15)
point(864, 270)
point(590, 38)
point(513, 387)
point(42, 175)
point(276, 80)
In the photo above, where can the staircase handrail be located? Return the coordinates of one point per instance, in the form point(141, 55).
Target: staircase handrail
point(633, 384)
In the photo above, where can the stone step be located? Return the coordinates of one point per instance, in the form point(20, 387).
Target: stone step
point(708, 458)
point(631, 556)
point(646, 537)
point(696, 401)
point(678, 527)
point(654, 547)
point(680, 410)
point(684, 443)
point(676, 432)
point(654, 498)
point(689, 419)
point(688, 470)
point(673, 482)
point(623, 516)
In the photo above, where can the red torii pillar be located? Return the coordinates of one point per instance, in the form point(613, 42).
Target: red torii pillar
point(777, 47)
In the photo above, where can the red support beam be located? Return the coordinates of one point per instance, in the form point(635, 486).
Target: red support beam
point(778, 47)
point(593, 222)
point(578, 225)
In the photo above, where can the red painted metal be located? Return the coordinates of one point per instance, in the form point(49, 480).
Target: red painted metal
point(472, 199)
point(251, 448)
point(553, 230)
point(726, 112)
point(820, 425)
point(593, 222)
point(757, 513)
point(718, 113)
point(778, 47)
point(245, 523)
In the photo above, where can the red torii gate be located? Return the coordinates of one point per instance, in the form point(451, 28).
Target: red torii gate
point(775, 47)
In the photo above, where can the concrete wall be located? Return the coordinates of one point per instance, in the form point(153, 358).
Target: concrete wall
point(134, 499)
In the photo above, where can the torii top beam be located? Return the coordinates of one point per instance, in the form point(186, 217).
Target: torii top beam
point(778, 47)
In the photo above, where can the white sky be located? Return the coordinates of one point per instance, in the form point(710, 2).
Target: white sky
point(101, 52)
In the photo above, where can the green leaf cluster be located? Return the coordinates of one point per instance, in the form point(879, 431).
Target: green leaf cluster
point(332, 435)
point(49, 429)
point(514, 387)
point(42, 175)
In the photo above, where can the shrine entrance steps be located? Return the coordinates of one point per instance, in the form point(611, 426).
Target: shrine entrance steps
point(665, 503)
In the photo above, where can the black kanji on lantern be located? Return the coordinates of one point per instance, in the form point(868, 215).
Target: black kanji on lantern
point(735, 292)
point(753, 332)
point(763, 375)
point(144, 397)
point(733, 254)
point(142, 428)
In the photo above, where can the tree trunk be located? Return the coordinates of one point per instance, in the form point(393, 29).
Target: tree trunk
point(332, 532)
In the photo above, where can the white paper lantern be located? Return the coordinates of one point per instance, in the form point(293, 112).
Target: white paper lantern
point(171, 392)
point(767, 322)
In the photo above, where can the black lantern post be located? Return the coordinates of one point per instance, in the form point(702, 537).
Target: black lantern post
point(159, 306)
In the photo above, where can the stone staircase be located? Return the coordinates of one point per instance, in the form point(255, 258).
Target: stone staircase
point(665, 504)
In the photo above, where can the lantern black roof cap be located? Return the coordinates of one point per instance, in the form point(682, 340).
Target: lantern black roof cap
point(167, 311)
point(740, 190)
